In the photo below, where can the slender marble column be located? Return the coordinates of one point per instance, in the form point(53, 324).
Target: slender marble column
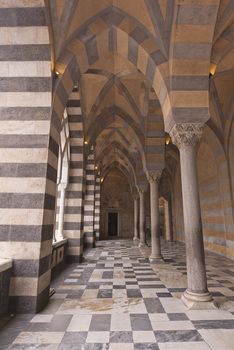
point(154, 177)
point(186, 137)
point(59, 235)
point(135, 238)
point(142, 189)
point(167, 222)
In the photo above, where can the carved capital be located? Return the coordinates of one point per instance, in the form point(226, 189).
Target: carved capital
point(154, 175)
point(186, 134)
point(142, 187)
point(135, 193)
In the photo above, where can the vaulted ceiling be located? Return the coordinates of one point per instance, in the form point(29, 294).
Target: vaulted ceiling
point(141, 66)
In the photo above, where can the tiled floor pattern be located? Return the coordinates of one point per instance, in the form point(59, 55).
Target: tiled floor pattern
point(116, 300)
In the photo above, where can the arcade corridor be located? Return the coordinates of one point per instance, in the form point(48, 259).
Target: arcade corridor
point(116, 300)
point(117, 174)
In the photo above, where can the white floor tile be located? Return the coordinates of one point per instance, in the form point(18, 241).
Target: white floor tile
point(148, 293)
point(98, 337)
point(143, 283)
point(209, 315)
point(39, 338)
point(79, 323)
point(133, 305)
point(158, 317)
point(218, 339)
point(184, 346)
point(119, 293)
point(120, 322)
point(143, 337)
point(172, 325)
point(86, 307)
point(40, 318)
point(172, 305)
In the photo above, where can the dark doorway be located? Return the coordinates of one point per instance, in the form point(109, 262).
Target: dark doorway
point(113, 224)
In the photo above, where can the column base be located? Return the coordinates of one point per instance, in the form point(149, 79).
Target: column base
point(141, 245)
point(135, 239)
point(156, 259)
point(198, 301)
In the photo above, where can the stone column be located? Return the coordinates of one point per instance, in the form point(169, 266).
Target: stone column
point(142, 189)
point(135, 237)
point(59, 235)
point(28, 173)
point(73, 216)
point(186, 137)
point(97, 206)
point(167, 221)
point(89, 239)
point(154, 177)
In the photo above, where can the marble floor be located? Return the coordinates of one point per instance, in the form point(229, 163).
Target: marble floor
point(116, 300)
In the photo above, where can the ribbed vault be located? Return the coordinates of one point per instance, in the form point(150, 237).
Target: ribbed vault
point(131, 62)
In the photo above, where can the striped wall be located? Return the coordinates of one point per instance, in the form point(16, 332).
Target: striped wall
point(215, 195)
point(213, 222)
point(73, 218)
point(155, 135)
point(28, 152)
point(191, 44)
point(89, 240)
point(97, 206)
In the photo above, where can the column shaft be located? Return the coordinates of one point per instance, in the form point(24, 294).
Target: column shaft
point(154, 213)
point(73, 215)
point(167, 221)
point(59, 235)
point(192, 222)
point(135, 219)
point(142, 219)
point(186, 137)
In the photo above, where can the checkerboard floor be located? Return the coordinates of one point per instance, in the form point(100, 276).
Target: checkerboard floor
point(116, 300)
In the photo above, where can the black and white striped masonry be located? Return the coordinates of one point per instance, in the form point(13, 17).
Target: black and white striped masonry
point(73, 218)
point(28, 152)
point(89, 239)
point(97, 206)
